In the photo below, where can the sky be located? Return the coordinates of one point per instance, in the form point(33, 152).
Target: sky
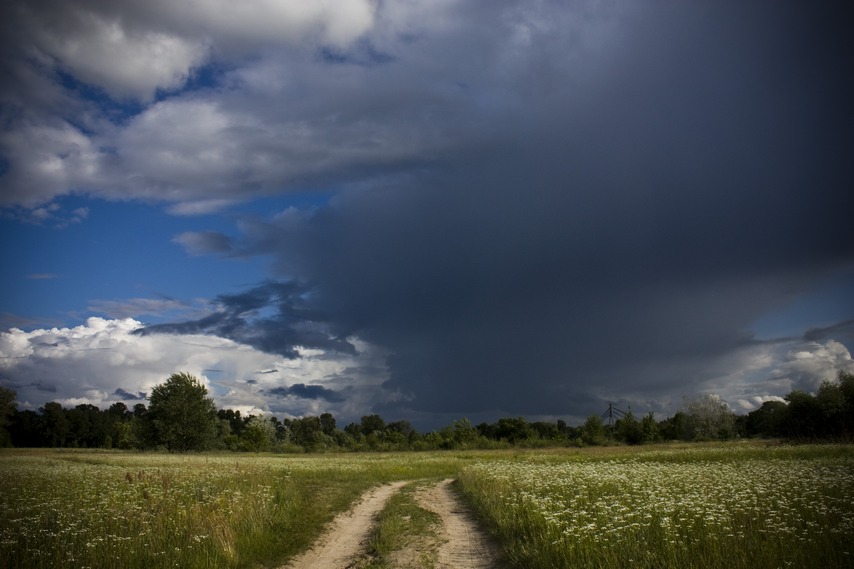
point(426, 209)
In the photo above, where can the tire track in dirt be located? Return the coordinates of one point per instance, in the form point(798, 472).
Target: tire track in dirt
point(343, 544)
point(465, 545)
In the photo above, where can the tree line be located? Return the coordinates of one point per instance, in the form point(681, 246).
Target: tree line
point(181, 417)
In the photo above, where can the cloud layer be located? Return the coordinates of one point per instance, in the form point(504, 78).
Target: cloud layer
point(536, 208)
point(132, 51)
point(103, 361)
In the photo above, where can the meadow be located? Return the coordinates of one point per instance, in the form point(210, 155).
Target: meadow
point(713, 507)
point(725, 505)
point(114, 509)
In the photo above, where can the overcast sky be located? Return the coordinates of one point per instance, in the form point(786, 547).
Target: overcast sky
point(427, 209)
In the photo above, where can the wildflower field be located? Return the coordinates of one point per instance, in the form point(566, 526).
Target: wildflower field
point(731, 506)
point(735, 505)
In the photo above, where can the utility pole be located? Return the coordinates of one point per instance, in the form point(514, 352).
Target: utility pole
point(610, 414)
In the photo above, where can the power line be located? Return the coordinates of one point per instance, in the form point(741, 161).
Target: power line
point(612, 412)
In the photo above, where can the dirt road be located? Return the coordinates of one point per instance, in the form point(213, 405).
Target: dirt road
point(343, 543)
point(463, 545)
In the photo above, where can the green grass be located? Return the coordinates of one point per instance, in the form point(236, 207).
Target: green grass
point(404, 527)
point(87, 509)
point(725, 505)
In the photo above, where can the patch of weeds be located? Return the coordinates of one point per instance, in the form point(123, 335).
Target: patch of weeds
point(405, 535)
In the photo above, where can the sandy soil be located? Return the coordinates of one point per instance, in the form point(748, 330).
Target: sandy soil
point(465, 545)
point(342, 545)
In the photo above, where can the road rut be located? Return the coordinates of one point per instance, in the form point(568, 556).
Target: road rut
point(343, 546)
point(465, 545)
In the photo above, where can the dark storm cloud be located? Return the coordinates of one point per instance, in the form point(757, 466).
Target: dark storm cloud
point(619, 235)
point(45, 387)
point(204, 242)
point(272, 317)
point(127, 396)
point(538, 208)
point(303, 391)
point(843, 331)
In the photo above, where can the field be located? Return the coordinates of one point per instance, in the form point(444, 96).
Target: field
point(719, 507)
point(736, 505)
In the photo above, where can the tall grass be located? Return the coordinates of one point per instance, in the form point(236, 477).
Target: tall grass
point(702, 507)
point(699, 506)
point(86, 509)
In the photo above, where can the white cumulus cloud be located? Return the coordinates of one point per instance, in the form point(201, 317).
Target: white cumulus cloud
point(806, 366)
point(132, 49)
point(103, 361)
point(49, 159)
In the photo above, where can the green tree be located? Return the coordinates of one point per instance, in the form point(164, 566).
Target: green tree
point(628, 429)
point(767, 421)
point(433, 440)
point(846, 385)
point(709, 417)
point(140, 432)
point(118, 427)
point(514, 430)
point(649, 427)
point(487, 431)
point(675, 427)
point(89, 427)
point(181, 414)
point(551, 432)
point(394, 440)
point(258, 434)
point(403, 427)
point(235, 421)
point(305, 431)
point(832, 402)
point(27, 429)
point(593, 431)
point(8, 407)
point(56, 424)
point(371, 424)
point(464, 434)
point(804, 416)
point(327, 424)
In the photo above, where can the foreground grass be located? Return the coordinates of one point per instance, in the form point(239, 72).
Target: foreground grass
point(729, 507)
point(86, 509)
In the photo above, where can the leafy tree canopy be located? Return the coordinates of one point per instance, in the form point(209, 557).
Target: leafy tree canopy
point(8, 405)
point(181, 415)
